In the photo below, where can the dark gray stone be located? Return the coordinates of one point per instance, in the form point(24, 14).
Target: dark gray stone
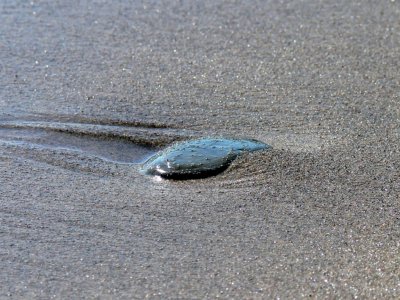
point(198, 158)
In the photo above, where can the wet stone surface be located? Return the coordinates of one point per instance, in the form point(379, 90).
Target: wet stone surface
point(199, 158)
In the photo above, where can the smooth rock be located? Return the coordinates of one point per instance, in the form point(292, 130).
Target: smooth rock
point(199, 158)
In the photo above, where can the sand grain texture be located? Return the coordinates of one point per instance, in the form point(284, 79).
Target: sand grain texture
point(318, 216)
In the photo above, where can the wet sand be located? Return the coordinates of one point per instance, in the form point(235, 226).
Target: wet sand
point(316, 217)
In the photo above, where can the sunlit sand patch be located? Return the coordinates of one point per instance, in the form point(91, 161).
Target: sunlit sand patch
point(301, 142)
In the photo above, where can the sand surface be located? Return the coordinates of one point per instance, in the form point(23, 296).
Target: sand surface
point(316, 217)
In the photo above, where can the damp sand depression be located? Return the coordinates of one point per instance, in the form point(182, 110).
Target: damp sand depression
point(91, 89)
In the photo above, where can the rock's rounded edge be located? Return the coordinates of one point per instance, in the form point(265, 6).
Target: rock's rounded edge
point(163, 169)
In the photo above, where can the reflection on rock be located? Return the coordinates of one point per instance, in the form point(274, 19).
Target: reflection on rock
point(199, 158)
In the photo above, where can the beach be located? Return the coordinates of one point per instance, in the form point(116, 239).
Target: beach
point(318, 216)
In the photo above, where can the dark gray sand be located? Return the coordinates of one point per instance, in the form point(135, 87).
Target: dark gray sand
point(318, 216)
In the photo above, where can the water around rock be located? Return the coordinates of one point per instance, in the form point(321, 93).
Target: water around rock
point(199, 158)
point(118, 149)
